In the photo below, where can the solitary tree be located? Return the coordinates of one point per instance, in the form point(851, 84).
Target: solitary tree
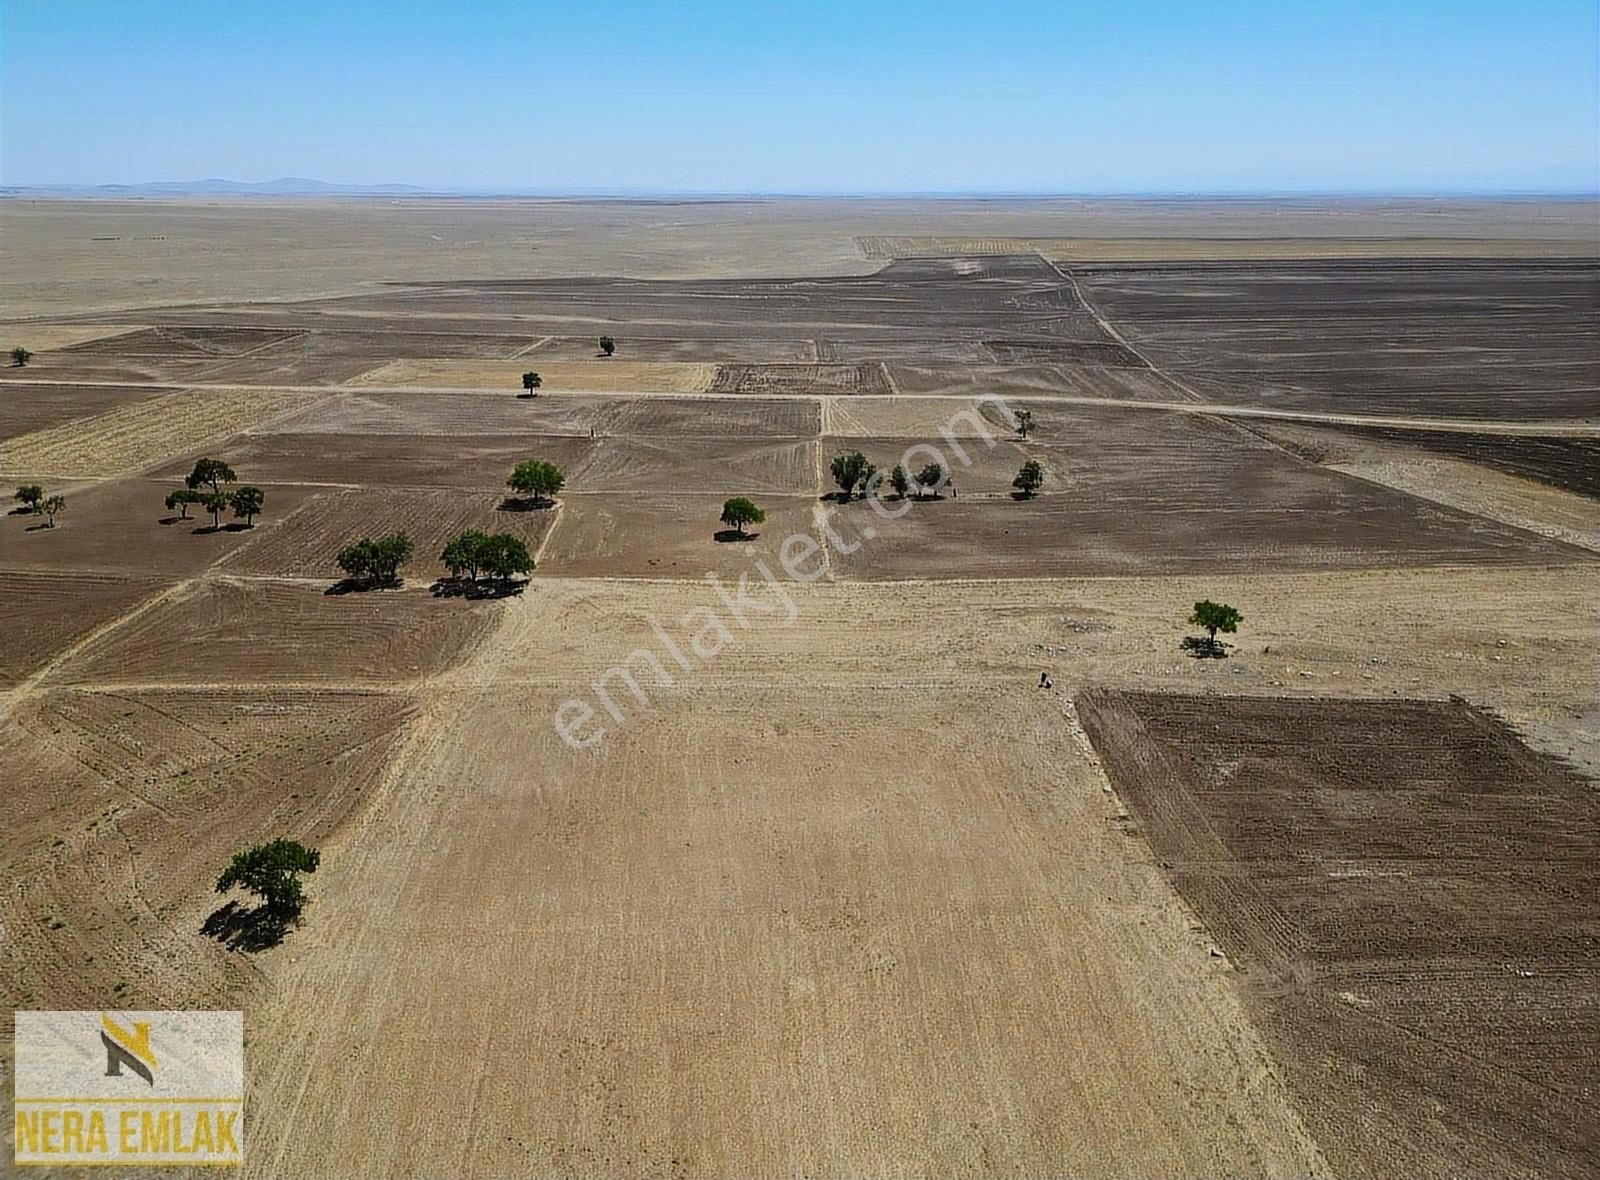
point(272, 872)
point(53, 505)
point(899, 482)
point(376, 561)
point(215, 503)
point(740, 511)
point(181, 499)
point(851, 469)
point(931, 478)
point(536, 478)
point(30, 496)
point(531, 382)
point(209, 473)
point(20, 356)
point(1029, 478)
point(1024, 422)
point(607, 345)
point(247, 502)
point(1214, 617)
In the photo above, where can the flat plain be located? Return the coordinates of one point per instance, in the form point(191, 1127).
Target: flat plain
point(835, 888)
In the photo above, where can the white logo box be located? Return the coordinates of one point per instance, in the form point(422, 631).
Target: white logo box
point(70, 1108)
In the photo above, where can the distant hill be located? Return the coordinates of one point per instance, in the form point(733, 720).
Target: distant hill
point(288, 186)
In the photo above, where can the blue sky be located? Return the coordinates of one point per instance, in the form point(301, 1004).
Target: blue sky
point(869, 96)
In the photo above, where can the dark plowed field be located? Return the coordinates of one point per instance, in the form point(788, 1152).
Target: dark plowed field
point(1571, 464)
point(803, 379)
point(1498, 340)
point(1412, 898)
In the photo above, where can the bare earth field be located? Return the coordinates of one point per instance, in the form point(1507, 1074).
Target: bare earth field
point(834, 888)
point(1433, 884)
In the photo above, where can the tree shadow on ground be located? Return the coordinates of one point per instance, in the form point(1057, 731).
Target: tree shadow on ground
point(362, 586)
point(245, 928)
point(1024, 495)
point(526, 504)
point(468, 589)
point(20, 510)
point(1202, 648)
point(33, 528)
point(725, 536)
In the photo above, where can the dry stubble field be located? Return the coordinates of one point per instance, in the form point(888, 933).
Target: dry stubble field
point(851, 895)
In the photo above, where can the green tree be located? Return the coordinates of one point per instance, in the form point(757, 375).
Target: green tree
point(30, 496)
point(209, 473)
point(504, 555)
point(851, 469)
point(215, 503)
point(53, 505)
point(740, 511)
point(1029, 479)
point(899, 482)
point(930, 478)
point(463, 554)
point(272, 872)
point(181, 499)
point(1214, 617)
point(376, 561)
point(607, 345)
point(247, 502)
point(20, 356)
point(536, 478)
point(1024, 422)
point(531, 382)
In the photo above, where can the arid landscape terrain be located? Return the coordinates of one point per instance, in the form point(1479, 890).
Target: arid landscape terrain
point(829, 885)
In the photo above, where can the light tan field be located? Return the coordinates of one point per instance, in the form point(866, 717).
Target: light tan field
point(44, 337)
point(140, 434)
point(576, 376)
point(706, 944)
point(76, 256)
point(838, 892)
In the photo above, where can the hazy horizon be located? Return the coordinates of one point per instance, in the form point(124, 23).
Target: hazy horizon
point(871, 99)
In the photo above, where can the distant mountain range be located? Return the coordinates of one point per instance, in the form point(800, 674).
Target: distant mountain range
point(288, 186)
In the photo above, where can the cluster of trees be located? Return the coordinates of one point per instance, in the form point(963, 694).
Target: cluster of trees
point(31, 496)
point(20, 356)
point(496, 556)
point(207, 486)
point(607, 345)
point(853, 470)
point(376, 561)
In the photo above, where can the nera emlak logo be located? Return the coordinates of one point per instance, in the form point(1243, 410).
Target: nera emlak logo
point(129, 1088)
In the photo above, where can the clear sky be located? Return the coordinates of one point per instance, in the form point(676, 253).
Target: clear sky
point(820, 96)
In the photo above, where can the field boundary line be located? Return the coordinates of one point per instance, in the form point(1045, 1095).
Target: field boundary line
point(26, 688)
point(1556, 428)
